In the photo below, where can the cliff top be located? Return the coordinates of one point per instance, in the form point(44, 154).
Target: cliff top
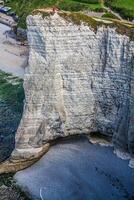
point(103, 8)
point(122, 27)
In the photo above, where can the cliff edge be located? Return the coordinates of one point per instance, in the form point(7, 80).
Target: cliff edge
point(79, 81)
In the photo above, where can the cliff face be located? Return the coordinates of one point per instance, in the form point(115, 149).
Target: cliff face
point(78, 81)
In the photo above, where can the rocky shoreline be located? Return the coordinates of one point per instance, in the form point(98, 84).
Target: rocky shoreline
point(9, 190)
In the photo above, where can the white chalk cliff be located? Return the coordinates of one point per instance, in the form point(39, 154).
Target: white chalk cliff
point(79, 81)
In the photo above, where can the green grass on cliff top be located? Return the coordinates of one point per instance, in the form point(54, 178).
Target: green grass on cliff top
point(25, 7)
point(78, 17)
point(124, 7)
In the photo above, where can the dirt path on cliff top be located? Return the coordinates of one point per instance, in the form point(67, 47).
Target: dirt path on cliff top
point(13, 56)
point(78, 170)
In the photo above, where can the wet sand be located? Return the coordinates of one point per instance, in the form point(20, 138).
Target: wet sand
point(13, 56)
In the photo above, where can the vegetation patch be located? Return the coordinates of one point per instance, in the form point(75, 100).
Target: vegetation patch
point(79, 18)
point(9, 190)
point(124, 29)
point(124, 7)
point(25, 7)
point(88, 1)
point(109, 15)
point(43, 13)
point(11, 91)
point(11, 108)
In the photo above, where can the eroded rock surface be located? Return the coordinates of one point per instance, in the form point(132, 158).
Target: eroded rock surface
point(78, 81)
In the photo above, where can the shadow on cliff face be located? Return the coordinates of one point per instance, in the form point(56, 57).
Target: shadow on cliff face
point(11, 108)
point(113, 91)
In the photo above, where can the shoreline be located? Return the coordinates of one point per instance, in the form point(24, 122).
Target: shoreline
point(13, 55)
point(76, 168)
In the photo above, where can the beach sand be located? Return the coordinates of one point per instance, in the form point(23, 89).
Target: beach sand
point(13, 56)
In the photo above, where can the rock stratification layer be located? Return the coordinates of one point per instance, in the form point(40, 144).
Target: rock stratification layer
point(78, 81)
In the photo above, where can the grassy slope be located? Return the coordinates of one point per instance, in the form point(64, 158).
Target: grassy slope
point(124, 7)
point(25, 7)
